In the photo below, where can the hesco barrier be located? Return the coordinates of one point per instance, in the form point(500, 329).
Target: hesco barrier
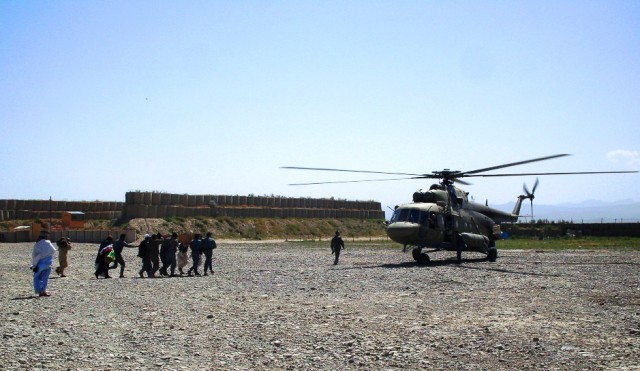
point(150, 211)
point(157, 198)
point(31, 209)
point(161, 211)
point(162, 205)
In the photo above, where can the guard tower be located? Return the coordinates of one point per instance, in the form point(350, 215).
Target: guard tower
point(73, 219)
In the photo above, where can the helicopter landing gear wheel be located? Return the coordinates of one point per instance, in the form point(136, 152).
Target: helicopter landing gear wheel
point(419, 257)
point(492, 254)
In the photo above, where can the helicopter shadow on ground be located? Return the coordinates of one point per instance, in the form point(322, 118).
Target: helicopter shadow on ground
point(475, 264)
point(502, 270)
point(594, 263)
point(413, 264)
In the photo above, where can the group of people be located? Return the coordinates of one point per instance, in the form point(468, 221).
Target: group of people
point(154, 250)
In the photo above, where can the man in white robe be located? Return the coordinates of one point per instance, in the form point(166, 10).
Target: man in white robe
point(41, 261)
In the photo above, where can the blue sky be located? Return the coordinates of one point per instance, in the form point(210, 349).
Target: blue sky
point(211, 97)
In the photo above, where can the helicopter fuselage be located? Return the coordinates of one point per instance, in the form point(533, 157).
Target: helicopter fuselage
point(444, 218)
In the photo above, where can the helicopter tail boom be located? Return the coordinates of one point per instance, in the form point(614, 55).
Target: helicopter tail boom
point(498, 216)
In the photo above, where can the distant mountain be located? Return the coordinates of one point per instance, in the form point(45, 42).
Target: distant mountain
point(591, 211)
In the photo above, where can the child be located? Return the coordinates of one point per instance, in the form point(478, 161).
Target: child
point(64, 245)
point(183, 258)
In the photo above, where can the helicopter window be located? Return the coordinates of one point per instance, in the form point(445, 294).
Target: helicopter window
point(439, 220)
point(400, 215)
point(414, 216)
point(424, 217)
point(431, 222)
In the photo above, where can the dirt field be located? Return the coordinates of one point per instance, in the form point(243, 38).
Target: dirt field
point(285, 306)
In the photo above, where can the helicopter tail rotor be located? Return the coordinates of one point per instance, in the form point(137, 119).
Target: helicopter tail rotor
point(530, 195)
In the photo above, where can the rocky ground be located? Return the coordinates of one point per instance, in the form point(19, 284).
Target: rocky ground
point(285, 306)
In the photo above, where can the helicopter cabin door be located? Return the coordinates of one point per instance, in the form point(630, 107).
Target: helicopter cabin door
point(431, 225)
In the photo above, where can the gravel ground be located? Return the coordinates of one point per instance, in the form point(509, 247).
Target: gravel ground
point(285, 306)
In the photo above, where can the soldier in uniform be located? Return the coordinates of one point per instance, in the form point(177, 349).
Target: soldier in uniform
point(144, 252)
point(196, 251)
point(118, 246)
point(208, 244)
point(168, 254)
point(336, 245)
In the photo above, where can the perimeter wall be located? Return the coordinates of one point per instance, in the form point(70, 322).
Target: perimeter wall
point(164, 205)
point(43, 209)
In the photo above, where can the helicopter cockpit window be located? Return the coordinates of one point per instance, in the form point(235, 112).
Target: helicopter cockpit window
point(400, 215)
point(414, 216)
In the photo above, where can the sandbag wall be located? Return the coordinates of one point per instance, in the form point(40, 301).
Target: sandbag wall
point(163, 205)
point(32, 209)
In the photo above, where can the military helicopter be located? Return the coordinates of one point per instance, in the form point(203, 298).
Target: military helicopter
point(443, 217)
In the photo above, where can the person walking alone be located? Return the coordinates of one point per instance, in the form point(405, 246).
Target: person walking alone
point(41, 260)
point(336, 245)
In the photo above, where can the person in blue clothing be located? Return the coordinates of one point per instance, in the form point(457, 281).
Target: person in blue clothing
point(168, 251)
point(208, 244)
point(118, 246)
point(41, 259)
point(196, 251)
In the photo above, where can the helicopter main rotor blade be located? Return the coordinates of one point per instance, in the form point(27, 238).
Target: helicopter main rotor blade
point(461, 181)
point(352, 181)
point(465, 173)
point(568, 173)
point(351, 171)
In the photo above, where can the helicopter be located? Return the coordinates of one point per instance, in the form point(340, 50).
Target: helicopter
point(443, 218)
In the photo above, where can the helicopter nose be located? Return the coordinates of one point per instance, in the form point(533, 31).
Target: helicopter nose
point(403, 232)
